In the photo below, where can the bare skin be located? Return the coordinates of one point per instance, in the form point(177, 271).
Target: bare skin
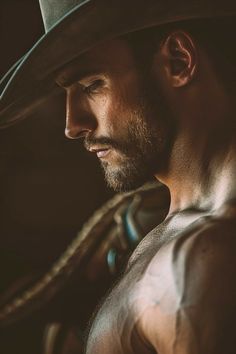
point(178, 292)
point(178, 295)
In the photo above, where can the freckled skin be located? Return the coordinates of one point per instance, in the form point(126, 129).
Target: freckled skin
point(176, 122)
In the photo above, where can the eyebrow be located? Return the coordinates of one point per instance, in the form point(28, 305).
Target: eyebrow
point(66, 81)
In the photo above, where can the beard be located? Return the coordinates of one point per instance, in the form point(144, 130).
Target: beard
point(139, 153)
point(142, 148)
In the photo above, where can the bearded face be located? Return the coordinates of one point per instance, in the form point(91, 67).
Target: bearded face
point(121, 113)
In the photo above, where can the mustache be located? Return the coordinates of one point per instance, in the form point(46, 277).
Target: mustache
point(89, 142)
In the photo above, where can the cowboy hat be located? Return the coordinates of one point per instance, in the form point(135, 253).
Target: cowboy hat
point(74, 26)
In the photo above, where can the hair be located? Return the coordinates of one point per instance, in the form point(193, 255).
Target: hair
point(216, 36)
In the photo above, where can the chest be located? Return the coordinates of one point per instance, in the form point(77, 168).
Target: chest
point(115, 327)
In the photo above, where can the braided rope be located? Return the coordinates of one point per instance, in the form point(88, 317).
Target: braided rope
point(76, 253)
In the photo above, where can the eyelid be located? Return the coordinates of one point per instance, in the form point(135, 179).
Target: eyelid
point(88, 80)
point(93, 88)
point(85, 81)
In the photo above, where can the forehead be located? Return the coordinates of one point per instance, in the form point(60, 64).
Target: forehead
point(111, 57)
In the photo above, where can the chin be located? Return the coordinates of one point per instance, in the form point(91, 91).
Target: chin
point(125, 178)
point(120, 186)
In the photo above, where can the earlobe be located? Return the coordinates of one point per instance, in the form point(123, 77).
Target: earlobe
point(181, 58)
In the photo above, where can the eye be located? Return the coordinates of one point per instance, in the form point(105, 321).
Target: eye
point(93, 87)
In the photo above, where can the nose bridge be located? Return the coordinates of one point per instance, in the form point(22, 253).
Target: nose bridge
point(78, 115)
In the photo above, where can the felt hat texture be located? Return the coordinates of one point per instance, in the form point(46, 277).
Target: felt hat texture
point(72, 27)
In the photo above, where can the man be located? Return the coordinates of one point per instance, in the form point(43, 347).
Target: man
point(157, 102)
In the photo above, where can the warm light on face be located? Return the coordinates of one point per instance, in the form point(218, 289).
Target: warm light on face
point(118, 111)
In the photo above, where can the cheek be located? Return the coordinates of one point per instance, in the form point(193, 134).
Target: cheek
point(110, 112)
point(120, 115)
point(100, 106)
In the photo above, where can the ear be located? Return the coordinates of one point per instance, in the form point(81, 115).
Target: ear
point(179, 56)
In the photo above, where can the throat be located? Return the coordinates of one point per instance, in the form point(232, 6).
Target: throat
point(200, 181)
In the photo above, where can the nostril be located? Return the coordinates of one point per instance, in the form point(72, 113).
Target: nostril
point(75, 134)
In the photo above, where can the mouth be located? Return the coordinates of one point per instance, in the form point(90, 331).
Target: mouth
point(100, 152)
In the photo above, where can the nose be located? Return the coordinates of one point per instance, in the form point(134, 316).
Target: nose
point(79, 118)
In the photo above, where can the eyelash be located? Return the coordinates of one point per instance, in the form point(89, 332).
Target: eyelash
point(91, 89)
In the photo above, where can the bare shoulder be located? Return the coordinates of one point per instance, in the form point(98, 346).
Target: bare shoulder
point(187, 295)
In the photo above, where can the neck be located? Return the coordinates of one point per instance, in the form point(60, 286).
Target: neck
point(202, 170)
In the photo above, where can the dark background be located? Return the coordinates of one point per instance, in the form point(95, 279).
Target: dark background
point(49, 185)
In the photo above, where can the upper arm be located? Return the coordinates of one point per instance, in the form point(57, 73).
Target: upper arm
point(189, 305)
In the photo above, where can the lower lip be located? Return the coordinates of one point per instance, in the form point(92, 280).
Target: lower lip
point(103, 153)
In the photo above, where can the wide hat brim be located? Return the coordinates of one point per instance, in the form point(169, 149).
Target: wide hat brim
point(31, 80)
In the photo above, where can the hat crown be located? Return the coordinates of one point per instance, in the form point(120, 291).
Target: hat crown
point(54, 10)
point(74, 27)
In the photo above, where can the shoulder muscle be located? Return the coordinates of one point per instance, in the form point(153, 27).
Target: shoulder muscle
point(187, 297)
